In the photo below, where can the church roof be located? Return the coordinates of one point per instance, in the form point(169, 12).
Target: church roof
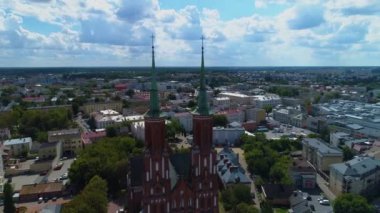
point(182, 164)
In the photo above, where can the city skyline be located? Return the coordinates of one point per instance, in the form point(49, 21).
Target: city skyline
point(248, 33)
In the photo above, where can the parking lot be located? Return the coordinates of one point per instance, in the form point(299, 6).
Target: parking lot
point(55, 174)
point(315, 194)
point(286, 130)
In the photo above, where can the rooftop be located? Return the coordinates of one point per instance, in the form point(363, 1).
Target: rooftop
point(322, 147)
point(17, 141)
point(41, 188)
point(357, 167)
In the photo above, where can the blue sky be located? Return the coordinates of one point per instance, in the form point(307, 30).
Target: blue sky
point(238, 32)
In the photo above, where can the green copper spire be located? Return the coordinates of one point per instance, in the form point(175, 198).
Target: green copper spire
point(202, 96)
point(154, 109)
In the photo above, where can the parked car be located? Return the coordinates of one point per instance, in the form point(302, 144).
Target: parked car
point(58, 166)
point(324, 202)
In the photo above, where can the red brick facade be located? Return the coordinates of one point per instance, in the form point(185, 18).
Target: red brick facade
point(174, 182)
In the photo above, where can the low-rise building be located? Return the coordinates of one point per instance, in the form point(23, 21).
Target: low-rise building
point(298, 204)
point(89, 138)
point(232, 115)
point(18, 146)
point(229, 170)
point(320, 154)
point(277, 194)
point(257, 115)
point(260, 101)
point(33, 192)
point(95, 107)
point(70, 139)
point(304, 176)
point(227, 136)
point(360, 175)
point(237, 98)
point(338, 138)
point(50, 150)
point(290, 116)
point(221, 103)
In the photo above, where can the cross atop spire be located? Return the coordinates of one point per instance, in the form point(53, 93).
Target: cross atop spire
point(202, 97)
point(154, 104)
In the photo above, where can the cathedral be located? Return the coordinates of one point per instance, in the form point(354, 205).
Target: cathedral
point(162, 181)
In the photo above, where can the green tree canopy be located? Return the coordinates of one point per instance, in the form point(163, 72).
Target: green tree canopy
point(352, 203)
point(236, 194)
point(9, 206)
point(220, 120)
point(246, 208)
point(108, 158)
point(93, 198)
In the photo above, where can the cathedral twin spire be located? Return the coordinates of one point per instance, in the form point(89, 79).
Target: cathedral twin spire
point(154, 110)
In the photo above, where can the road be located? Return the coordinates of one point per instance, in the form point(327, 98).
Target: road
point(54, 174)
point(323, 185)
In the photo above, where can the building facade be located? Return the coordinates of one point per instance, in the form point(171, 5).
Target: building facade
point(160, 181)
point(320, 154)
point(360, 175)
point(18, 146)
point(70, 139)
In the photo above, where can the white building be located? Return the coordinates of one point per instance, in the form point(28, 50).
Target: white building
point(138, 130)
point(106, 118)
point(18, 145)
point(221, 103)
point(237, 98)
point(227, 136)
point(186, 120)
point(261, 101)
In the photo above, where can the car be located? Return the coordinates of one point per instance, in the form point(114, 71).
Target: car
point(40, 199)
point(64, 176)
point(58, 166)
point(312, 207)
point(308, 198)
point(120, 210)
point(324, 202)
point(54, 199)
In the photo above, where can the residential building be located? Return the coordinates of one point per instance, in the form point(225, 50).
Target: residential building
point(221, 103)
point(18, 146)
point(70, 139)
point(89, 138)
point(229, 170)
point(320, 154)
point(257, 115)
point(289, 115)
point(277, 194)
point(95, 107)
point(304, 176)
point(159, 181)
point(227, 136)
point(338, 138)
point(360, 175)
point(233, 115)
point(50, 150)
point(260, 101)
point(237, 99)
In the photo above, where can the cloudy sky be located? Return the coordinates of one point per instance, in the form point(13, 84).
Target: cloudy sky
point(238, 32)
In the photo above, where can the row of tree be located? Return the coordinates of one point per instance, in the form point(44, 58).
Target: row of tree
point(237, 198)
point(269, 159)
point(108, 158)
point(36, 123)
point(93, 198)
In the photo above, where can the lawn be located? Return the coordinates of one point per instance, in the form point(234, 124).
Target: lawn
point(280, 210)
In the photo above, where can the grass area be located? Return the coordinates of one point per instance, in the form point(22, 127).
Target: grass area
point(280, 210)
point(221, 208)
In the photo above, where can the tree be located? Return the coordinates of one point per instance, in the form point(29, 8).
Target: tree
point(268, 108)
point(348, 154)
point(245, 208)
point(266, 207)
point(130, 93)
point(172, 96)
point(352, 203)
point(111, 131)
point(92, 123)
point(192, 104)
point(234, 195)
point(105, 159)
point(9, 206)
point(93, 198)
point(220, 120)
